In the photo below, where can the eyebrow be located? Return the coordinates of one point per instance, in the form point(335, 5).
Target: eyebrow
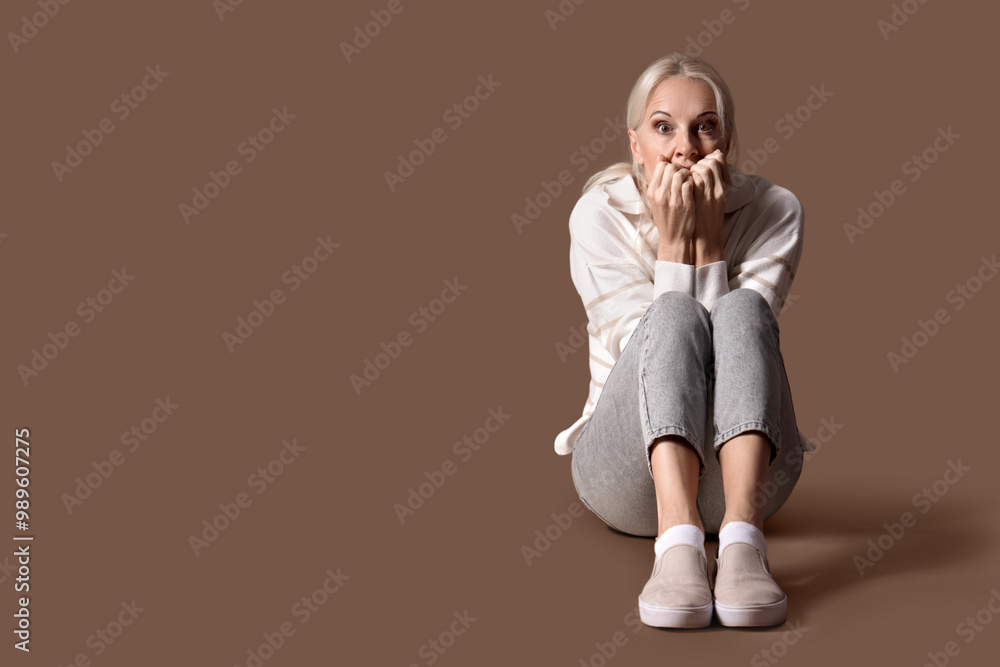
point(703, 113)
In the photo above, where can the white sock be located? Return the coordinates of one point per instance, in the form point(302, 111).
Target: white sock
point(741, 531)
point(685, 533)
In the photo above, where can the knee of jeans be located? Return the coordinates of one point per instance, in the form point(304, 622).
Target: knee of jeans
point(743, 303)
point(677, 306)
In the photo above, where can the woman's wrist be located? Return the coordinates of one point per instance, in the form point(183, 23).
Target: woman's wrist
point(679, 252)
point(707, 252)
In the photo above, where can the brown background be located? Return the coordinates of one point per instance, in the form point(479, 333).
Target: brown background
point(494, 346)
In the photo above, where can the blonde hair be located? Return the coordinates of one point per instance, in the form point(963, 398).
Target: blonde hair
point(673, 64)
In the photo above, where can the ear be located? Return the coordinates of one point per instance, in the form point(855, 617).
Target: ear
point(634, 144)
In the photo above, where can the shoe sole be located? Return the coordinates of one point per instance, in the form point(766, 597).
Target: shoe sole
point(675, 617)
point(756, 616)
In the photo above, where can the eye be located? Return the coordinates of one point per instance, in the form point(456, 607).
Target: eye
point(706, 126)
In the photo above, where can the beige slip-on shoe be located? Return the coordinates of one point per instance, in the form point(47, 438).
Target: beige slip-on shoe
point(677, 594)
point(745, 594)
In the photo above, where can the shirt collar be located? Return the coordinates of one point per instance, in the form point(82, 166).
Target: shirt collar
point(623, 194)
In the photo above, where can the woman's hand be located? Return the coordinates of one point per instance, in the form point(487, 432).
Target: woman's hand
point(712, 183)
point(670, 192)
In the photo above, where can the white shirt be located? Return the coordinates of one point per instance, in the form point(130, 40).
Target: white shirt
point(614, 267)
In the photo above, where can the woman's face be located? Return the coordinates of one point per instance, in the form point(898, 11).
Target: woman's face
point(680, 122)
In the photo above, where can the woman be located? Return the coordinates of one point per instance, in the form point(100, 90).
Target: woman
point(683, 265)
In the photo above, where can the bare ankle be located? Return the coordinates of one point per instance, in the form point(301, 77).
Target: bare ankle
point(664, 524)
point(754, 521)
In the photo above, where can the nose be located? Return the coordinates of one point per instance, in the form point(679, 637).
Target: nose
point(685, 149)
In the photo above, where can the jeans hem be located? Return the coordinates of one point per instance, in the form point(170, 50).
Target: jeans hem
point(675, 430)
point(753, 425)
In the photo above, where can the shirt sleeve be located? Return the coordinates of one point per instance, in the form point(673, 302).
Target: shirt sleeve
point(614, 282)
point(771, 259)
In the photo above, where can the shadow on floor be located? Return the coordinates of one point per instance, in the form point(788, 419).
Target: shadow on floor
point(831, 531)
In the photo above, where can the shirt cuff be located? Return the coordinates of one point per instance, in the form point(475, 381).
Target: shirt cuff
point(673, 277)
point(711, 283)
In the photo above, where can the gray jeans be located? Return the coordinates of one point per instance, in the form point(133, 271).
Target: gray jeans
point(690, 373)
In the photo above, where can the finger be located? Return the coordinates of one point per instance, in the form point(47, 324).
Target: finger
point(722, 173)
point(682, 180)
point(722, 179)
point(654, 180)
point(672, 173)
point(676, 180)
point(684, 173)
point(710, 169)
point(709, 177)
point(697, 182)
point(726, 176)
point(715, 156)
point(687, 192)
